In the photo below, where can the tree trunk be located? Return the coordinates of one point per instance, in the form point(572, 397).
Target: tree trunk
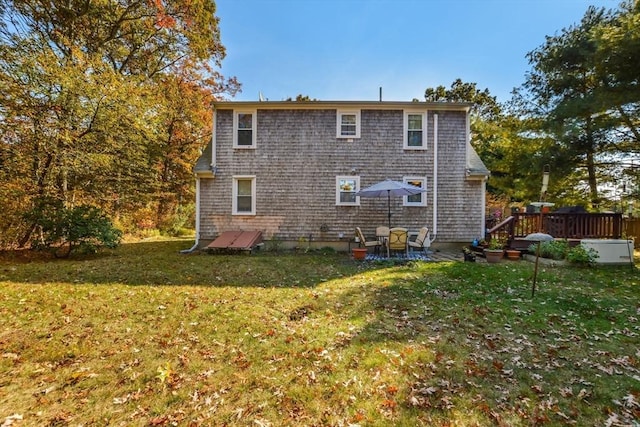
point(591, 167)
point(42, 177)
point(593, 182)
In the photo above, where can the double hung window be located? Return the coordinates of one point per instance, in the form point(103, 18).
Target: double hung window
point(348, 124)
point(419, 199)
point(346, 189)
point(244, 129)
point(415, 130)
point(244, 195)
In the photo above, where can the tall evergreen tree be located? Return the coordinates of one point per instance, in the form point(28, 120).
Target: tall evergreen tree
point(583, 88)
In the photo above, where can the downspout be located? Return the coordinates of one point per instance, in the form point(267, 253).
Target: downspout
point(483, 198)
point(213, 171)
point(435, 177)
point(214, 159)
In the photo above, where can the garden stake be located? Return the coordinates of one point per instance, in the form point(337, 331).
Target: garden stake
point(535, 271)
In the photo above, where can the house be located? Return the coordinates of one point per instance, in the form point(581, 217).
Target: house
point(291, 170)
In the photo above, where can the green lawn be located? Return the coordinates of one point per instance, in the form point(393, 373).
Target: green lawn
point(146, 336)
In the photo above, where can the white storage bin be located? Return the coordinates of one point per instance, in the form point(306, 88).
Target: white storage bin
point(611, 251)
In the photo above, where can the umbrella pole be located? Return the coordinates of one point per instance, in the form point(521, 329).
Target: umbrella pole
point(389, 206)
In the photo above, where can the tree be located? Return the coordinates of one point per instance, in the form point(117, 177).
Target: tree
point(617, 60)
point(301, 98)
point(484, 106)
point(494, 137)
point(583, 87)
point(88, 100)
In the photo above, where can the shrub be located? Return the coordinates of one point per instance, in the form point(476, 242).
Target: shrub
point(582, 256)
point(82, 228)
point(181, 221)
point(274, 245)
point(553, 249)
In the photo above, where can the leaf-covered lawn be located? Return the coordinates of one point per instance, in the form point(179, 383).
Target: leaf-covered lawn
point(146, 336)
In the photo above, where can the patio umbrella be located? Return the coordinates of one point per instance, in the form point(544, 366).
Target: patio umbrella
point(390, 188)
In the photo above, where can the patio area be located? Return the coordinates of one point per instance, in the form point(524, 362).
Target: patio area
point(434, 256)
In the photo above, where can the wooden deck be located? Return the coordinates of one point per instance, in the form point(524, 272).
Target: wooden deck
point(570, 226)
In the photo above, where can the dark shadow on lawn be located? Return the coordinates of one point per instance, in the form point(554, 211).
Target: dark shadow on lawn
point(160, 263)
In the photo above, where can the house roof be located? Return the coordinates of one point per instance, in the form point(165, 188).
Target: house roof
point(475, 166)
point(367, 105)
point(203, 165)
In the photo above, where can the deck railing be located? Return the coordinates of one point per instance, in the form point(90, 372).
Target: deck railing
point(559, 225)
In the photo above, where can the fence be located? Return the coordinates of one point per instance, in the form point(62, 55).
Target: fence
point(564, 225)
point(632, 230)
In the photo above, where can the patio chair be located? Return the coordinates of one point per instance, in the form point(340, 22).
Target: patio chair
point(422, 242)
point(367, 243)
point(382, 233)
point(397, 241)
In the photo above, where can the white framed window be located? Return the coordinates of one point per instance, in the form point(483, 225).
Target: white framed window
point(244, 129)
point(419, 199)
point(415, 130)
point(244, 195)
point(346, 189)
point(348, 124)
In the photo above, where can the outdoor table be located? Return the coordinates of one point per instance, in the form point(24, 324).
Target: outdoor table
point(383, 237)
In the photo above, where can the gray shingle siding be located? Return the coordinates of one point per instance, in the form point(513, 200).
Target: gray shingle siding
point(296, 161)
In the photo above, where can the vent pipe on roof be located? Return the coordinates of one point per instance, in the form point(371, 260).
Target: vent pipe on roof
point(380, 93)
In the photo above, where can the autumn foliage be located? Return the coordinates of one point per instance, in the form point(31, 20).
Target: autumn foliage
point(105, 104)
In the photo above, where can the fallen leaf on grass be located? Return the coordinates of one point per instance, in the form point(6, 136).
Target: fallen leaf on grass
point(121, 400)
point(566, 392)
point(583, 393)
point(389, 404)
point(392, 389)
point(158, 421)
point(8, 421)
point(12, 356)
point(537, 388)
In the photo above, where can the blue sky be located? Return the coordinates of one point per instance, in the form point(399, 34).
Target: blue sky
point(347, 49)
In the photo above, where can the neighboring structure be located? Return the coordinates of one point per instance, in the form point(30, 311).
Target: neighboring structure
point(291, 170)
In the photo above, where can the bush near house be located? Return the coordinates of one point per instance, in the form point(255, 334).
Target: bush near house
point(560, 250)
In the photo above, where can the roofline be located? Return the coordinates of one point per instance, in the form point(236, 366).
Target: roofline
point(365, 105)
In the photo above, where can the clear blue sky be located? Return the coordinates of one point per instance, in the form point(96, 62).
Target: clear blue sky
point(347, 49)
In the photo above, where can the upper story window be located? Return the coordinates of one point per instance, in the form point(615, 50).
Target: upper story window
point(419, 199)
point(415, 130)
point(346, 189)
point(244, 195)
point(348, 124)
point(244, 129)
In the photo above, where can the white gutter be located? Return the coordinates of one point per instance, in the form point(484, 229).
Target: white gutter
point(213, 170)
point(483, 197)
point(197, 210)
point(435, 177)
point(214, 159)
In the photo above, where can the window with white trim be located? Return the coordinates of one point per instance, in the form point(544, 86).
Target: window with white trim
point(244, 129)
point(348, 124)
point(244, 195)
point(346, 189)
point(419, 199)
point(415, 130)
